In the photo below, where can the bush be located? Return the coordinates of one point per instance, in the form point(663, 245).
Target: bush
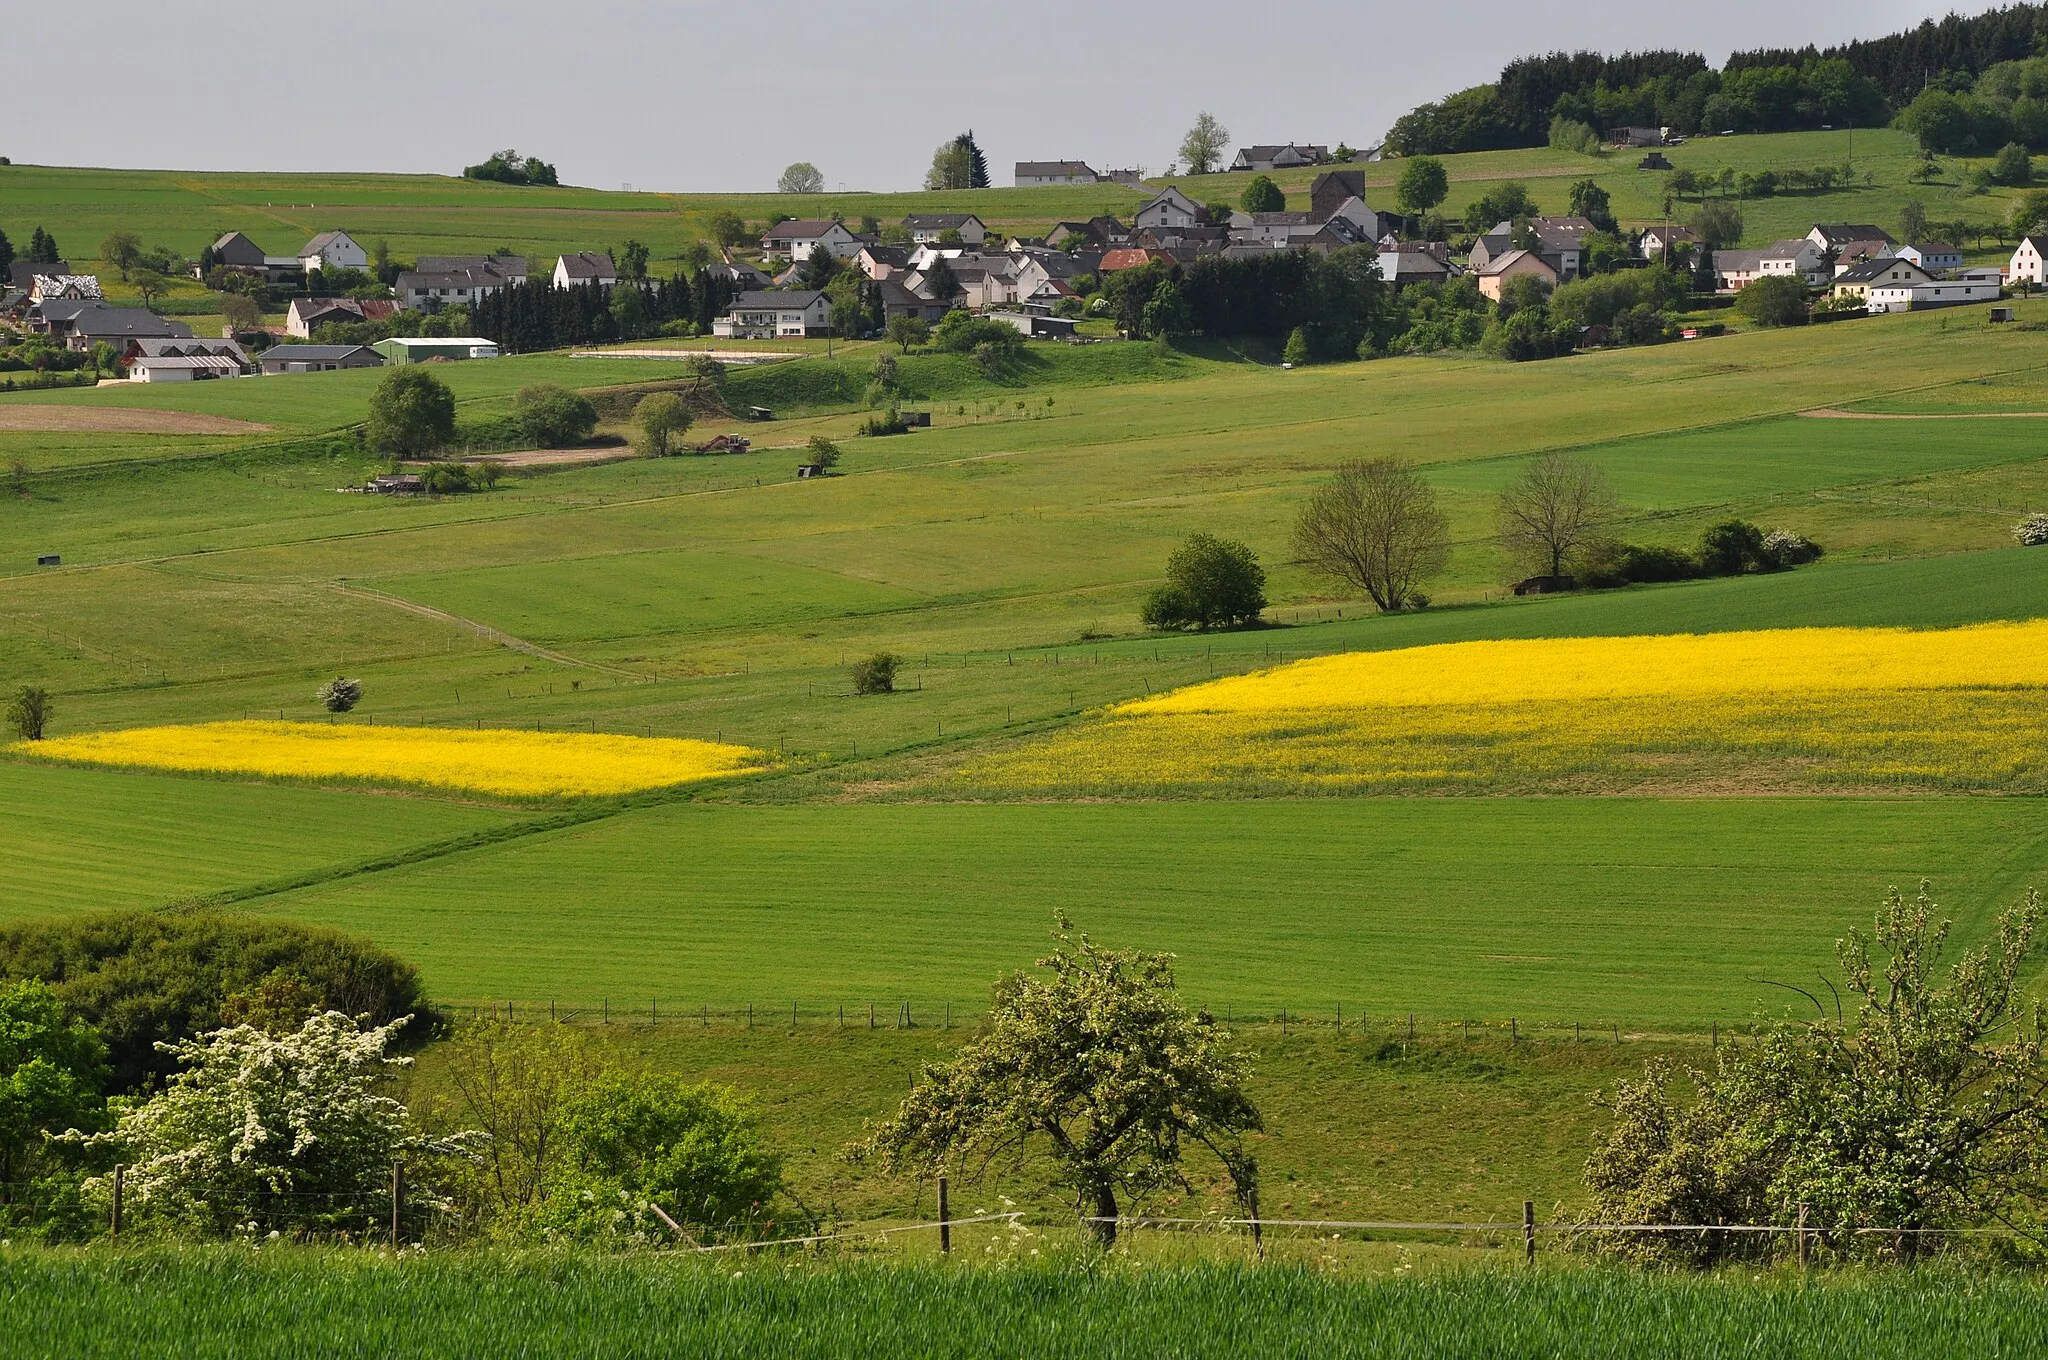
point(1297, 351)
point(2013, 165)
point(1779, 300)
point(2031, 532)
point(659, 422)
point(1210, 583)
point(1731, 548)
point(824, 453)
point(1782, 548)
point(1610, 563)
point(340, 694)
point(876, 674)
point(885, 423)
point(965, 333)
point(554, 417)
point(141, 976)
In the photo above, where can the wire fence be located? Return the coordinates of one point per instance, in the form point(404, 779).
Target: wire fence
point(1387, 1026)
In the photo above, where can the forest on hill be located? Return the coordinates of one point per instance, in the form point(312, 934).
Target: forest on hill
point(1573, 97)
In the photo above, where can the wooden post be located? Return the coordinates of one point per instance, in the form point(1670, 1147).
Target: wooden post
point(607, 1010)
point(945, 1220)
point(792, 1015)
point(653, 1012)
point(1514, 1030)
point(397, 1202)
point(1529, 1232)
point(871, 1015)
point(1411, 1027)
point(1802, 1234)
point(115, 1222)
point(1716, 1040)
point(750, 1015)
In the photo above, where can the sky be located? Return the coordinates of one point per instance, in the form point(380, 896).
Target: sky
point(687, 96)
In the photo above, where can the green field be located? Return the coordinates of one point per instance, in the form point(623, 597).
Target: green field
point(241, 1303)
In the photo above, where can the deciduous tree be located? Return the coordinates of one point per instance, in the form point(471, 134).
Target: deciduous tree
point(1211, 582)
point(1203, 146)
point(909, 332)
point(1097, 1062)
point(659, 422)
point(1376, 527)
point(801, 178)
point(121, 249)
point(1262, 195)
point(1423, 184)
point(1557, 506)
point(411, 412)
point(29, 712)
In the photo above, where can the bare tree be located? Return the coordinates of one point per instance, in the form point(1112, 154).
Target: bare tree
point(1203, 147)
point(1377, 527)
point(1552, 510)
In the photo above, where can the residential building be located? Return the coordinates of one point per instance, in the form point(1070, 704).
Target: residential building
point(738, 275)
point(585, 267)
point(1856, 252)
point(1936, 257)
point(1331, 191)
point(59, 287)
point(796, 241)
point(1171, 208)
point(1490, 247)
point(316, 358)
point(1292, 156)
point(927, 228)
point(2029, 261)
point(1514, 264)
point(1128, 258)
point(332, 250)
point(1652, 244)
point(1836, 235)
point(1099, 231)
point(1889, 274)
point(21, 274)
point(776, 313)
point(511, 267)
point(419, 290)
point(306, 315)
point(899, 300)
point(1406, 262)
point(1032, 174)
point(1735, 270)
point(96, 322)
point(1910, 297)
point(418, 350)
point(1799, 258)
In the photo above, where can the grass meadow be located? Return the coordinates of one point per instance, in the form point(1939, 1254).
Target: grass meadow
point(242, 1303)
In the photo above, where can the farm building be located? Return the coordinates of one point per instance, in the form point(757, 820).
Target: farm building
point(316, 358)
point(420, 350)
point(1034, 327)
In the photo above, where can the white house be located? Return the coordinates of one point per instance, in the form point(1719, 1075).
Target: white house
point(333, 250)
point(1936, 257)
point(1908, 297)
point(1889, 274)
point(925, 228)
point(1651, 245)
point(2029, 261)
point(799, 240)
point(1031, 174)
point(1292, 156)
point(1170, 209)
point(776, 313)
point(585, 267)
point(1800, 258)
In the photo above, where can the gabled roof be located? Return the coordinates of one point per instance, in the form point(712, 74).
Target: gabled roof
point(1502, 264)
point(1787, 250)
point(22, 273)
point(216, 363)
point(587, 264)
point(118, 322)
point(1045, 169)
point(802, 229)
point(941, 221)
point(1738, 261)
point(1935, 248)
point(174, 347)
point(316, 354)
point(1869, 271)
point(1837, 233)
point(511, 266)
point(795, 299)
point(320, 243)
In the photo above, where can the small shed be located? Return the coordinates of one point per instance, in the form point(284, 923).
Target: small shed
point(1656, 160)
point(397, 484)
point(49, 560)
point(2001, 314)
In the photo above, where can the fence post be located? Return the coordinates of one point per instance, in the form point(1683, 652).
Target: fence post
point(1411, 1027)
point(1514, 1030)
point(1715, 1042)
point(750, 1015)
point(1529, 1232)
point(607, 1010)
point(1802, 1234)
point(792, 1015)
point(397, 1201)
point(115, 1222)
point(871, 1015)
point(945, 1222)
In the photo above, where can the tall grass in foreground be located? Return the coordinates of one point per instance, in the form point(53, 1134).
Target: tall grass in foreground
point(239, 1303)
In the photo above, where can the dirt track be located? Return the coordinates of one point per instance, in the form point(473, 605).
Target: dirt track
point(45, 418)
point(1830, 413)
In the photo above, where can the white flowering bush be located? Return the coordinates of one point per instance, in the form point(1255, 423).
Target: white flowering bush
point(1783, 548)
point(2032, 532)
point(268, 1133)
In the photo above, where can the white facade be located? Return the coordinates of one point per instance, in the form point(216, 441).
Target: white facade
point(763, 316)
point(1171, 209)
point(333, 250)
point(2027, 262)
point(926, 229)
point(1801, 259)
point(1915, 296)
point(1935, 260)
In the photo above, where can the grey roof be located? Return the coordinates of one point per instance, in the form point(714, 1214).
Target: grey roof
point(513, 266)
point(322, 241)
point(22, 273)
point(171, 347)
point(1869, 271)
point(796, 299)
point(1737, 261)
point(1041, 169)
point(802, 229)
point(1785, 250)
point(315, 354)
point(939, 221)
point(1936, 248)
point(1838, 232)
point(454, 278)
point(118, 322)
point(63, 309)
point(895, 255)
point(587, 264)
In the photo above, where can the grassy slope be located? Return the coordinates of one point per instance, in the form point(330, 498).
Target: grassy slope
point(87, 840)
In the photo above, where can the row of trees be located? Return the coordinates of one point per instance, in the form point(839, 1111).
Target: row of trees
point(536, 315)
point(42, 249)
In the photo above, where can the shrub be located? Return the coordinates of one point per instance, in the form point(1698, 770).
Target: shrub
point(876, 674)
point(1731, 548)
point(29, 712)
point(885, 423)
point(141, 976)
point(554, 417)
point(340, 694)
point(1297, 351)
point(824, 453)
point(1261, 195)
point(965, 333)
point(52, 1071)
point(2031, 532)
point(1610, 563)
point(2013, 165)
point(659, 421)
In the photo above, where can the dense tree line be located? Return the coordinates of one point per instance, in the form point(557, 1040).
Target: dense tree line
point(1331, 299)
point(536, 315)
point(1858, 84)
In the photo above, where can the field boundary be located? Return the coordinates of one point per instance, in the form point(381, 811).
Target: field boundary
point(485, 631)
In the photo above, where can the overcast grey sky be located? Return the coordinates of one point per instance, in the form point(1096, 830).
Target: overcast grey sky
point(688, 96)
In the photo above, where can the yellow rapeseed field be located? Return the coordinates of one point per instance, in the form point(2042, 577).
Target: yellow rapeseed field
point(1796, 708)
point(505, 763)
